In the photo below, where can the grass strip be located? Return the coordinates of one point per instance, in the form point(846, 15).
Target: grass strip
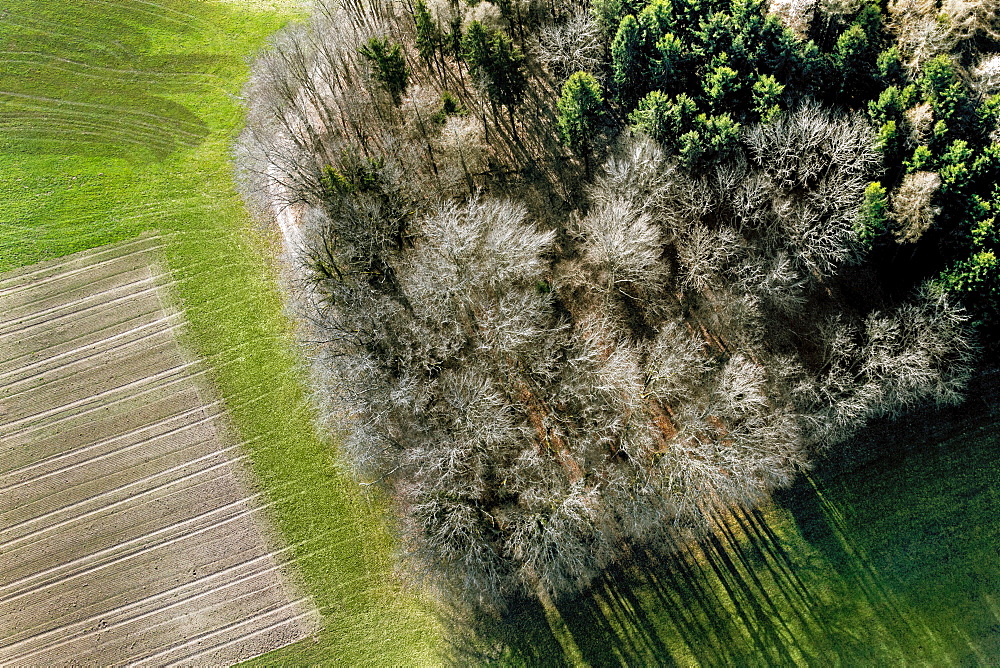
point(116, 118)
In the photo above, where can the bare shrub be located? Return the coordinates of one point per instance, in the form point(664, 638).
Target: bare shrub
point(972, 19)
point(796, 15)
point(920, 118)
point(912, 205)
point(828, 156)
point(802, 148)
point(918, 353)
point(986, 76)
point(486, 13)
point(622, 243)
point(675, 363)
point(704, 254)
point(839, 8)
point(924, 28)
point(777, 284)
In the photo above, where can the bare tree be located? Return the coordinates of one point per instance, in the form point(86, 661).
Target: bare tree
point(797, 15)
point(919, 32)
point(912, 205)
point(986, 75)
point(623, 244)
point(572, 46)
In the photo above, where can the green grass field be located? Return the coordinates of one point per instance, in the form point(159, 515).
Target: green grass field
point(896, 562)
point(116, 118)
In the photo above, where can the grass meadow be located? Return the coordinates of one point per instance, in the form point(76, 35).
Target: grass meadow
point(116, 118)
point(893, 563)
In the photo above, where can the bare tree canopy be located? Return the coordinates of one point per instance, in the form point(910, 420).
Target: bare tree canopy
point(547, 365)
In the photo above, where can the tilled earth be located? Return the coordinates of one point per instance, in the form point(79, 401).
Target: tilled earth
point(128, 533)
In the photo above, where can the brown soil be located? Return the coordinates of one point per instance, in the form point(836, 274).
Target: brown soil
point(127, 531)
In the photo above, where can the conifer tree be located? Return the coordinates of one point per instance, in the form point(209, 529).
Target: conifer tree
point(390, 67)
point(496, 62)
point(428, 35)
point(581, 114)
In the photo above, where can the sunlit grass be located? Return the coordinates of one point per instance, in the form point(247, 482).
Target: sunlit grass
point(116, 118)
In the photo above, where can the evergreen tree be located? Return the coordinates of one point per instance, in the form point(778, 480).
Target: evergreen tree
point(428, 35)
point(496, 62)
point(390, 67)
point(872, 221)
point(581, 114)
point(627, 61)
point(855, 60)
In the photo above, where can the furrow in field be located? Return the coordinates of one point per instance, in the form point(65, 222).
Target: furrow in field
point(136, 548)
point(16, 329)
point(77, 495)
point(37, 277)
point(142, 622)
point(116, 420)
point(63, 31)
point(96, 402)
point(249, 643)
point(273, 620)
point(66, 29)
point(157, 11)
point(110, 451)
point(186, 81)
point(165, 566)
point(89, 327)
point(66, 295)
point(27, 122)
point(127, 534)
point(116, 337)
point(105, 377)
point(221, 582)
point(91, 376)
point(193, 495)
point(103, 72)
point(42, 123)
point(95, 370)
point(216, 612)
point(45, 510)
point(44, 286)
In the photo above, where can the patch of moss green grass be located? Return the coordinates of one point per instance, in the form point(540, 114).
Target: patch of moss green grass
point(117, 118)
point(894, 563)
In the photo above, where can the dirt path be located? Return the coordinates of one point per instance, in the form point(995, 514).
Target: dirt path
point(128, 533)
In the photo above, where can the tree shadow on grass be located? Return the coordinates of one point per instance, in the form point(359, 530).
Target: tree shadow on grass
point(521, 638)
point(795, 583)
point(737, 598)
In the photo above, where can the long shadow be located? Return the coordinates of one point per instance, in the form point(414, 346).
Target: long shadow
point(521, 638)
point(810, 581)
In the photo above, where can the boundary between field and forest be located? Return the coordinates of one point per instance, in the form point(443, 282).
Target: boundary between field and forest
point(74, 194)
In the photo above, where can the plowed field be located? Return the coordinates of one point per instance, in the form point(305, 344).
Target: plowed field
point(127, 530)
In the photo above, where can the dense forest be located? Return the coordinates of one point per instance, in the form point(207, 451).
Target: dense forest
point(580, 277)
